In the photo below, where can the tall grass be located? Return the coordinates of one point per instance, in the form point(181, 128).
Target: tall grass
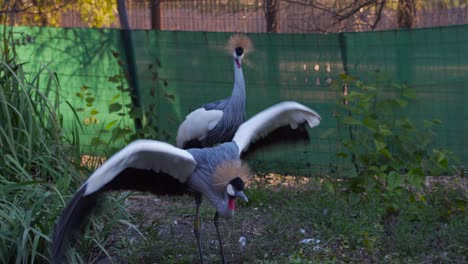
point(39, 168)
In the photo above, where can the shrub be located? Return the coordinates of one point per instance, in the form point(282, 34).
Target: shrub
point(39, 167)
point(384, 153)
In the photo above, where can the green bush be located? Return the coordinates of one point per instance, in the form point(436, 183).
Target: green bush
point(129, 120)
point(40, 168)
point(386, 154)
point(386, 159)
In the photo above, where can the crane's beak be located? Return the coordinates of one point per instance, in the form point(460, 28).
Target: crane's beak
point(241, 195)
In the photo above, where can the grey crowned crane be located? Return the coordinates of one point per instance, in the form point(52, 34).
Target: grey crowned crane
point(218, 121)
point(217, 173)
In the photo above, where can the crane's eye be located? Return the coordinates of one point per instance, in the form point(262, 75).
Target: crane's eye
point(230, 190)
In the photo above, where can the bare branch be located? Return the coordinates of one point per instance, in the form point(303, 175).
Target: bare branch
point(354, 10)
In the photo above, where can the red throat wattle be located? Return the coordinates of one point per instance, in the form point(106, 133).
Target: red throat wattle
point(237, 63)
point(232, 203)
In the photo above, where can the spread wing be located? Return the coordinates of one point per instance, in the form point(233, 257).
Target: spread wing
point(144, 165)
point(280, 122)
point(196, 125)
point(151, 155)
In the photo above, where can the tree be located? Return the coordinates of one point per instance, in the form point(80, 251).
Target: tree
point(405, 13)
point(156, 14)
point(272, 8)
point(95, 13)
point(341, 15)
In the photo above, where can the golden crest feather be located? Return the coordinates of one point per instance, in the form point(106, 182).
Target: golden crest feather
point(229, 170)
point(239, 40)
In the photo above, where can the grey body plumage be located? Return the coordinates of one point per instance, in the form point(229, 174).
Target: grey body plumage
point(233, 112)
point(208, 160)
point(224, 116)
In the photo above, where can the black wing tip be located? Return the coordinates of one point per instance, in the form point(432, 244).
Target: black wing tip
point(281, 135)
point(194, 143)
point(80, 206)
point(74, 214)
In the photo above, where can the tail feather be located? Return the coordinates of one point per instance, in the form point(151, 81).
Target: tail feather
point(76, 212)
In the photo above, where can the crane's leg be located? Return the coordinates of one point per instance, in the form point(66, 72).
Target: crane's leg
point(196, 225)
point(216, 223)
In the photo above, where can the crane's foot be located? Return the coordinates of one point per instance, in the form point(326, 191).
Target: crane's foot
point(196, 226)
point(216, 223)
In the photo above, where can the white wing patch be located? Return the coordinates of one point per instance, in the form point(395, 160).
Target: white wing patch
point(144, 154)
point(274, 117)
point(197, 124)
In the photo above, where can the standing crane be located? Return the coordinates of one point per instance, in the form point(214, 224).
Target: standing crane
point(217, 122)
point(217, 173)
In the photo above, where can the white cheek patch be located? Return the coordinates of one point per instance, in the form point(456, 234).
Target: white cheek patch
point(230, 190)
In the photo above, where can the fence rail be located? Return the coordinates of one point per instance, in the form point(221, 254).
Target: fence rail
point(283, 16)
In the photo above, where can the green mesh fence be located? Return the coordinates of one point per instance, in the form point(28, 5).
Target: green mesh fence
point(178, 71)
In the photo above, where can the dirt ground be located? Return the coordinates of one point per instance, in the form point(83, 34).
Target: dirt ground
point(167, 223)
point(171, 218)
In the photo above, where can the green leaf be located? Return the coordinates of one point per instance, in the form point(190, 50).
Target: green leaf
point(327, 133)
point(354, 94)
point(384, 131)
point(394, 180)
point(135, 112)
point(170, 96)
point(440, 156)
point(409, 93)
point(118, 133)
point(416, 177)
point(351, 121)
point(436, 121)
point(114, 107)
point(330, 187)
point(90, 100)
point(400, 102)
point(369, 88)
point(111, 124)
point(117, 96)
point(347, 78)
point(386, 153)
point(94, 112)
point(354, 198)
point(80, 109)
point(374, 169)
point(370, 122)
point(114, 79)
point(96, 141)
point(404, 123)
point(379, 145)
point(342, 154)
point(427, 124)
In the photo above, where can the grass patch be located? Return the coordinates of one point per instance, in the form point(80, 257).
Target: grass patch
point(39, 168)
point(276, 220)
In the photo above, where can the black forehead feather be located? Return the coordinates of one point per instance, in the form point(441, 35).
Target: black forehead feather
point(237, 183)
point(239, 51)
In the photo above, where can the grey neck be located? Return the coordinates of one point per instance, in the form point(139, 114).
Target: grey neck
point(238, 91)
